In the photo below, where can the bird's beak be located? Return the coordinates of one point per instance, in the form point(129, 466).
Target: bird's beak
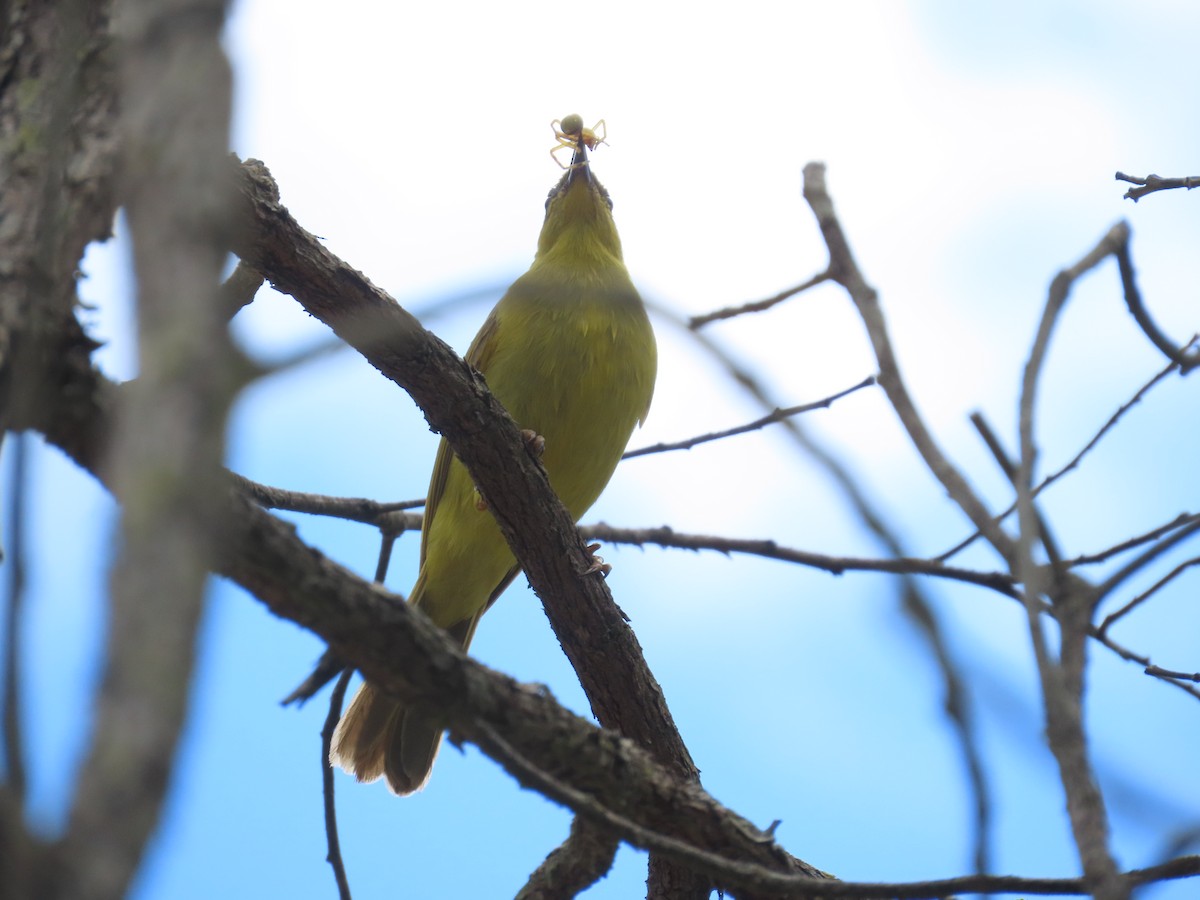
point(579, 165)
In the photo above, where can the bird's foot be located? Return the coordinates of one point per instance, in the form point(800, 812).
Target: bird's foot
point(598, 563)
point(534, 442)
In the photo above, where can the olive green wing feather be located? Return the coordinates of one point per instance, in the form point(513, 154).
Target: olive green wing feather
point(478, 356)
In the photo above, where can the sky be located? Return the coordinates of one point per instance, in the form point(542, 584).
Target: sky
point(970, 151)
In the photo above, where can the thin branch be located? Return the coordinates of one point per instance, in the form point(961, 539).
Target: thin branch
point(1062, 681)
point(1145, 595)
point(1109, 425)
point(355, 509)
point(1160, 672)
point(1152, 183)
point(1075, 461)
point(845, 271)
point(389, 518)
point(1152, 535)
point(1009, 468)
point(665, 536)
point(777, 415)
point(387, 541)
point(1133, 300)
point(1124, 652)
point(1178, 679)
point(330, 665)
point(334, 853)
point(1147, 556)
point(730, 312)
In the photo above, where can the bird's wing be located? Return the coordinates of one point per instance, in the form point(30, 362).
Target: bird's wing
point(478, 356)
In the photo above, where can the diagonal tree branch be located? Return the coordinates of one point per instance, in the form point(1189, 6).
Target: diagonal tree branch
point(399, 649)
point(457, 404)
point(264, 556)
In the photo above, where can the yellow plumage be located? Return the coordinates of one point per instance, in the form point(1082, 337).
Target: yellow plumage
point(570, 353)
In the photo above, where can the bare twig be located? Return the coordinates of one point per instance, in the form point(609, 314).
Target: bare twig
point(1178, 679)
point(1062, 680)
point(386, 542)
point(777, 415)
point(1160, 672)
point(1161, 546)
point(1124, 652)
point(1133, 300)
point(1075, 460)
point(330, 665)
point(1152, 183)
point(1145, 595)
point(390, 520)
point(334, 852)
point(1136, 541)
point(355, 509)
point(1009, 468)
point(759, 305)
point(845, 271)
point(665, 536)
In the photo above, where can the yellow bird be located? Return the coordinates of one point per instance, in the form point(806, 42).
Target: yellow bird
point(570, 353)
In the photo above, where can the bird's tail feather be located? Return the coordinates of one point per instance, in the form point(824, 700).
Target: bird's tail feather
point(380, 736)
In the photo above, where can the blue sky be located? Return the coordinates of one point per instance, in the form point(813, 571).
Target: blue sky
point(971, 151)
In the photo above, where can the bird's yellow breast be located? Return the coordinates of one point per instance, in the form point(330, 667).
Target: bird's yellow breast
point(572, 357)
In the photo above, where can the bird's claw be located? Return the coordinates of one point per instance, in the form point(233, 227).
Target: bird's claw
point(534, 442)
point(598, 563)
